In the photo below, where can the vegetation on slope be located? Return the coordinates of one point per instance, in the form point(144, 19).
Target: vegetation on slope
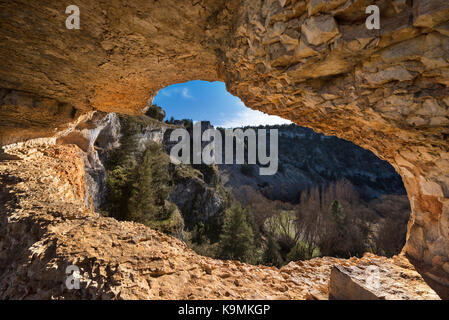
point(139, 182)
point(331, 220)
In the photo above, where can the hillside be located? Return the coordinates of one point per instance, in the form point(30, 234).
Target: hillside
point(308, 159)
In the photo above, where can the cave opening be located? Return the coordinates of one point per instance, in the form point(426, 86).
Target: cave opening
point(384, 90)
point(328, 196)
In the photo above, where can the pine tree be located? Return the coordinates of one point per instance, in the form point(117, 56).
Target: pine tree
point(121, 168)
point(237, 238)
point(151, 187)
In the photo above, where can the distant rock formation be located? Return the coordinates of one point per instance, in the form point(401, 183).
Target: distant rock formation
point(308, 159)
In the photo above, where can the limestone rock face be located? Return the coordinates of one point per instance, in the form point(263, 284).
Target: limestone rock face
point(97, 132)
point(206, 203)
point(386, 90)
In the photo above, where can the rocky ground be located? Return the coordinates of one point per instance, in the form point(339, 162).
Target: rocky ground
point(46, 226)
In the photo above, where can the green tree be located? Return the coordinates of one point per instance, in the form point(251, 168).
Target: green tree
point(170, 121)
point(155, 112)
point(151, 187)
point(121, 169)
point(237, 237)
point(299, 252)
point(337, 212)
point(199, 233)
point(271, 255)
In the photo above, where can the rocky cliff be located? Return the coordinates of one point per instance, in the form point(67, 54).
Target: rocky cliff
point(111, 141)
point(311, 61)
point(308, 159)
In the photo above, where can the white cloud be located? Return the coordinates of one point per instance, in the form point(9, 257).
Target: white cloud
point(249, 117)
point(186, 94)
point(183, 92)
point(166, 93)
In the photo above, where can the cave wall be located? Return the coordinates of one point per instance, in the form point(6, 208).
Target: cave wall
point(313, 62)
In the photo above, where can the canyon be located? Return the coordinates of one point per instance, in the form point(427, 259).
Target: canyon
point(47, 226)
point(310, 61)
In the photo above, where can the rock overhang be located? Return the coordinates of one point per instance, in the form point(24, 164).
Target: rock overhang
point(313, 62)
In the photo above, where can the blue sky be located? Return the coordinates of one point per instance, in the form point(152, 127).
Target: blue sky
point(209, 101)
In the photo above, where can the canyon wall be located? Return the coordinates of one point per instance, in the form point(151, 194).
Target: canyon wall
point(313, 62)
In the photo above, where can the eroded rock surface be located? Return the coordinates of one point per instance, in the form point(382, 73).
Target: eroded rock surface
point(310, 61)
point(378, 278)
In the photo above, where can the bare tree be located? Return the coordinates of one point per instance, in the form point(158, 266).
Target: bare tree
point(329, 219)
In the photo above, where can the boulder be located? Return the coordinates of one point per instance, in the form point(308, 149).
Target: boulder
point(378, 278)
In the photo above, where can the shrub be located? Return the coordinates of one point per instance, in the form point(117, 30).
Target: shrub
point(299, 252)
point(210, 173)
point(155, 112)
point(271, 255)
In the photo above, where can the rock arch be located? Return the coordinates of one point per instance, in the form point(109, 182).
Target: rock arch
point(311, 61)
